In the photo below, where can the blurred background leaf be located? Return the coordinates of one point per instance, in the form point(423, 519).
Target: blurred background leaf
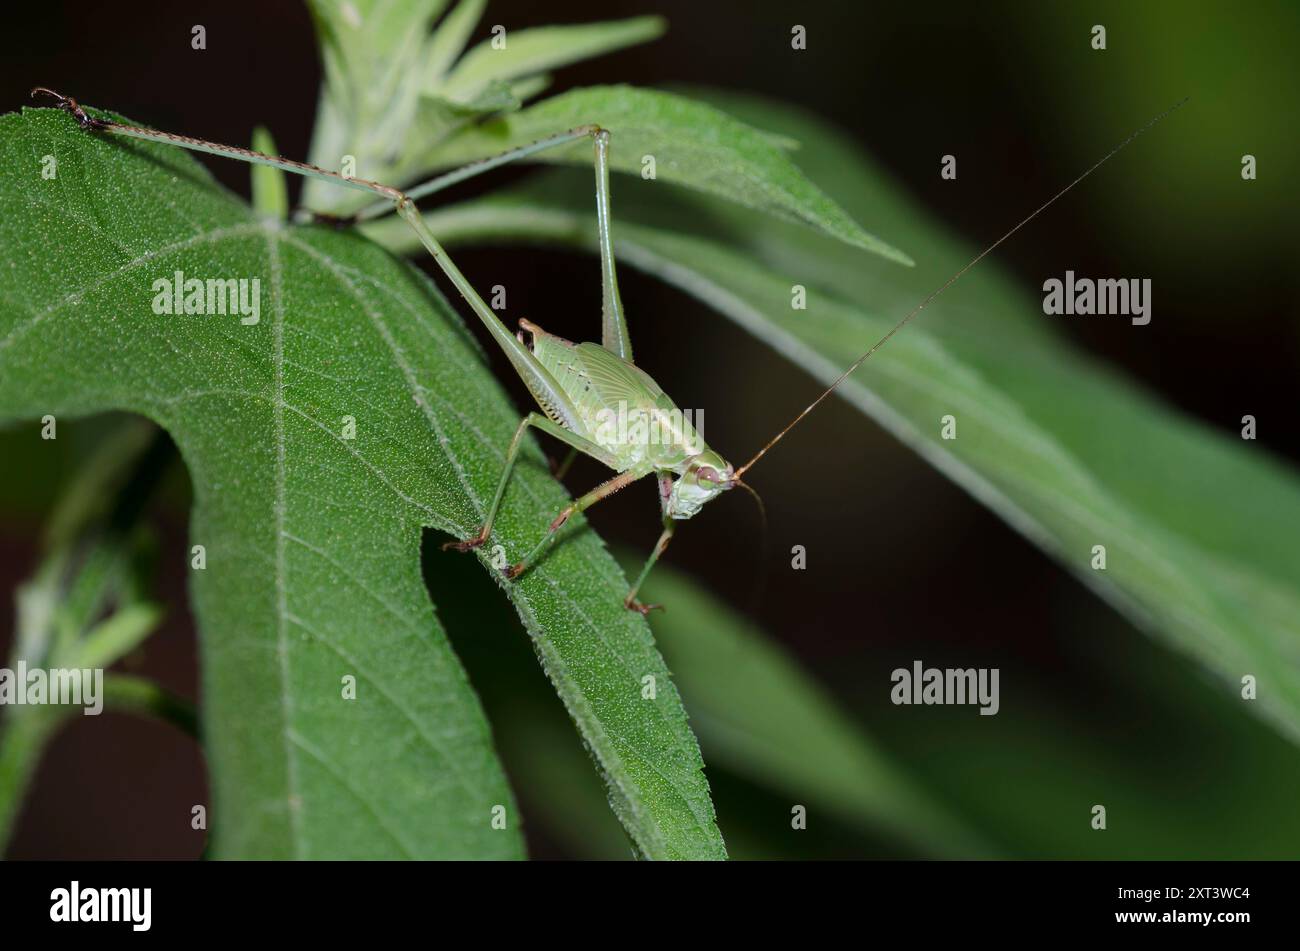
point(763, 718)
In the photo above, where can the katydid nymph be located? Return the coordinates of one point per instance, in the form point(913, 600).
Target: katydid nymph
point(580, 388)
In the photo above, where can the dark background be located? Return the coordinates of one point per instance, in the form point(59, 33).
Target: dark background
point(902, 563)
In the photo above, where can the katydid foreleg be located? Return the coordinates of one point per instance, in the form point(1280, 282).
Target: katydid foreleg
point(670, 526)
point(537, 421)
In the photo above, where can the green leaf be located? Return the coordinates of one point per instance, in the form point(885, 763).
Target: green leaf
point(1214, 577)
point(373, 53)
point(312, 535)
point(531, 51)
point(361, 38)
point(437, 116)
point(119, 634)
point(692, 144)
point(761, 716)
point(389, 102)
point(124, 693)
point(448, 41)
point(371, 49)
point(1180, 805)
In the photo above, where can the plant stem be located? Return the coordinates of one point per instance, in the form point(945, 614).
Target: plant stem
point(124, 693)
point(22, 741)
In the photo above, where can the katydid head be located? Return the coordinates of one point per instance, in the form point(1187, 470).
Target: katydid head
point(705, 476)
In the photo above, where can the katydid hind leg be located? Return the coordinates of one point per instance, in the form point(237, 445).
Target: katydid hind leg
point(548, 393)
point(614, 332)
point(614, 336)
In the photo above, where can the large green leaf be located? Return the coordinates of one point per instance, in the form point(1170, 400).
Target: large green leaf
point(312, 536)
point(691, 144)
point(1202, 532)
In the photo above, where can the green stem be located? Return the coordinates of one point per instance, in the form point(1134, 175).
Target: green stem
point(88, 539)
point(127, 694)
point(27, 730)
point(22, 740)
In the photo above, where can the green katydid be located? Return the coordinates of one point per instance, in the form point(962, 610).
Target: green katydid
point(581, 388)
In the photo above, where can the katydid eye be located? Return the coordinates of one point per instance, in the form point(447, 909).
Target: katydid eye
point(708, 474)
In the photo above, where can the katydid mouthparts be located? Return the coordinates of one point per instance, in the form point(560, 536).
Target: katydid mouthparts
point(580, 388)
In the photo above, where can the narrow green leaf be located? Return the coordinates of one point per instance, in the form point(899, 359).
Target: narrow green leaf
point(689, 144)
point(270, 191)
point(24, 735)
point(530, 51)
point(449, 39)
point(312, 530)
point(437, 116)
point(119, 634)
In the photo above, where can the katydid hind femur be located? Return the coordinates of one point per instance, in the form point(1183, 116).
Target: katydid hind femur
point(577, 386)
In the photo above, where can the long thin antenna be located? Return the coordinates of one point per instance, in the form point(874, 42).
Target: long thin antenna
point(948, 283)
point(756, 595)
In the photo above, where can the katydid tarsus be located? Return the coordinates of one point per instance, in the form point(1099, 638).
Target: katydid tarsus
point(581, 388)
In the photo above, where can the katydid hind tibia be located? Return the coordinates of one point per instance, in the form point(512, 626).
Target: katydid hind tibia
point(586, 391)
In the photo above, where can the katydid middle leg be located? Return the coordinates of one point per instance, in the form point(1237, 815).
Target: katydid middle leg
point(580, 504)
point(466, 172)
